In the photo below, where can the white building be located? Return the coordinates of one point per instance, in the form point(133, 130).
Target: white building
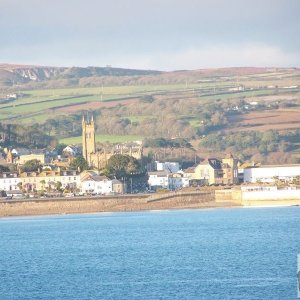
point(178, 181)
point(97, 184)
point(9, 181)
point(166, 180)
point(70, 150)
point(171, 167)
point(271, 173)
point(158, 179)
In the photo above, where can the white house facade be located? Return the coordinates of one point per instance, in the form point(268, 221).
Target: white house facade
point(158, 179)
point(271, 173)
point(100, 185)
point(9, 182)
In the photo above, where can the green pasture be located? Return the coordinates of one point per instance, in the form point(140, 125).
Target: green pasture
point(103, 138)
point(38, 105)
point(37, 102)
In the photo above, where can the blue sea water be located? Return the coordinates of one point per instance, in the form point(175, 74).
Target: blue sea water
point(188, 254)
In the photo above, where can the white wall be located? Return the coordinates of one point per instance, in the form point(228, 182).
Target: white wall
point(103, 187)
point(272, 195)
point(158, 181)
point(9, 183)
point(264, 174)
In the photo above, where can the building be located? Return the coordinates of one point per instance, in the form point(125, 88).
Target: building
point(167, 180)
point(215, 171)
point(118, 187)
point(9, 157)
point(271, 173)
point(9, 181)
point(50, 180)
point(70, 150)
point(96, 184)
point(178, 181)
point(172, 167)
point(98, 158)
point(158, 179)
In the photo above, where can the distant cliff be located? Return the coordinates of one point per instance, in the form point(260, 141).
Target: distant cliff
point(40, 77)
point(11, 75)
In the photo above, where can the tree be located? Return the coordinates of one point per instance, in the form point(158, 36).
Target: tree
point(58, 186)
point(32, 165)
point(60, 147)
point(19, 185)
point(79, 162)
point(120, 166)
point(43, 182)
point(4, 168)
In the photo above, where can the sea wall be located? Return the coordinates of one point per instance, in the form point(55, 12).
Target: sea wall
point(102, 204)
point(234, 195)
point(271, 195)
point(259, 198)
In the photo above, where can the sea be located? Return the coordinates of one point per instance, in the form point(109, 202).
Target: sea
point(236, 253)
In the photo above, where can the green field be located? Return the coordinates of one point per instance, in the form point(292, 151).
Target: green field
point(103, 139)
point(39, 105)
point(34, 105)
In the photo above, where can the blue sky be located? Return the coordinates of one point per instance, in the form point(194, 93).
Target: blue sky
point(151, 34)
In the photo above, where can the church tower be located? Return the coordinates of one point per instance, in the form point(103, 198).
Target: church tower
point(88, 139)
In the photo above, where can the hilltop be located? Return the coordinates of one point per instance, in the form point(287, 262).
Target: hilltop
point(11, 75)
point(35, 77)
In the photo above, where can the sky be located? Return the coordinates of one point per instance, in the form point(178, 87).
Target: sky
point(151, 34)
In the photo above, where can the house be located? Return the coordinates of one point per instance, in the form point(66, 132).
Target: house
point(215, 171)
point(70, 150)
point(50, 180)
point(178, 181)
point(271, 173)
point(158, 179)
point(166, 180)
point(189, 173)
point(96, 184)
point(118, 187)
point(9, 181)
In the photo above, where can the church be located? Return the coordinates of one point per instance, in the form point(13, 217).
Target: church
point(98, 158)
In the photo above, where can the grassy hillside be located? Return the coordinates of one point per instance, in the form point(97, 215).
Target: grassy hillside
point(205, 107)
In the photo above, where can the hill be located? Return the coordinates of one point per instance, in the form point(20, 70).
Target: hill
point(251, 112)
point(36, 77)
point(11, 75)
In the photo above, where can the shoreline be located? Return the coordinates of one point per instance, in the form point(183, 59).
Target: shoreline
point(130, 203)
point(144, 210)
point(119, 211)
point(112, 204)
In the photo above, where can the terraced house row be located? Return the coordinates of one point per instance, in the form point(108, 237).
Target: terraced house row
point(87, 182)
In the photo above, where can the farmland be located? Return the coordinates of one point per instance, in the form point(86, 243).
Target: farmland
point(279, 119)
point(186, 104)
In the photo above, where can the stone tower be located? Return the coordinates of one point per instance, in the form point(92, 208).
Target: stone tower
point(9, 157)
point(88, 139)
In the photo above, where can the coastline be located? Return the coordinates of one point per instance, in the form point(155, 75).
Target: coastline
point(130, 203)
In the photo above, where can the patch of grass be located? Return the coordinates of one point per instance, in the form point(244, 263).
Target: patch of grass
point(136, 118)
point(103, 138)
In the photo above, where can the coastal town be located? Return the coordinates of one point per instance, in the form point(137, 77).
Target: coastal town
point(29, 173)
